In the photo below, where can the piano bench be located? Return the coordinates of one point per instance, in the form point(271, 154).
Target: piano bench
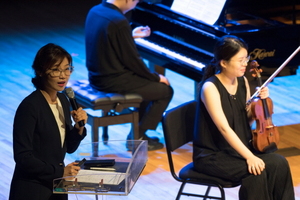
point(106, 109)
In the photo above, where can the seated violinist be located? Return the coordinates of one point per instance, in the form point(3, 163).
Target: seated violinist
point(222, 134)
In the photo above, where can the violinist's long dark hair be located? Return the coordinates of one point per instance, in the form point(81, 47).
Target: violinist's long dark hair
point(225, 48)
point(46, 58)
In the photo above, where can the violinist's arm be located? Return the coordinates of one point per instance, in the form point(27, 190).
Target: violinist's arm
point(211, 99)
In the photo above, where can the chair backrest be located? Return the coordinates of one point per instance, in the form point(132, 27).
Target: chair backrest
point(178, 128)
point(178, 125)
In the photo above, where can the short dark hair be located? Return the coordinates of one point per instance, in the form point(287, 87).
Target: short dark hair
point(225, 48)
point(45, 58)
point(228, 46)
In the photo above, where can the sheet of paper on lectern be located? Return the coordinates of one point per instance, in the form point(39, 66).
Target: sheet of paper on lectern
point(95, 176)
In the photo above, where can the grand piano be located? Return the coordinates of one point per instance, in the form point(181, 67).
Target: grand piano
point(185, 45)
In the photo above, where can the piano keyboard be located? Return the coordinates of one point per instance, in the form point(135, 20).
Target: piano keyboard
point(170, 54)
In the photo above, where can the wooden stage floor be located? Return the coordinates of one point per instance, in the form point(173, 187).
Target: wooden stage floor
point(27, 25)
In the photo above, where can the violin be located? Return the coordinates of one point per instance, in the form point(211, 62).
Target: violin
point(265, 136)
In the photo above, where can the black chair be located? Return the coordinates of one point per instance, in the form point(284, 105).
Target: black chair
point(178, 126)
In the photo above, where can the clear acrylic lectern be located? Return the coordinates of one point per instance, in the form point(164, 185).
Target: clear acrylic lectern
point(113, 179)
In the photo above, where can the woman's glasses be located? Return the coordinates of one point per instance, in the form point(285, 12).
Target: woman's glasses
point(57, 72)
point(244, 61)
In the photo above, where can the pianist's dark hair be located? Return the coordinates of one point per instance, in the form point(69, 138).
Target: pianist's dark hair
point(225, 48)
point(46, 58)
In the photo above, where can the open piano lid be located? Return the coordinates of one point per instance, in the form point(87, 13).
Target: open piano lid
point(270, 41)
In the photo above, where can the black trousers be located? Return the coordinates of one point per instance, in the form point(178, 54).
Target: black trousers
point(275, 182)
point(156, 96)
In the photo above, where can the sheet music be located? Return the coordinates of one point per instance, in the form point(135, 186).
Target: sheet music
point(95, 176)
point(207, 11)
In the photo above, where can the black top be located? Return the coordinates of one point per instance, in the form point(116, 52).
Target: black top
point(110, 48)
point(38, 151)
point(207, 138)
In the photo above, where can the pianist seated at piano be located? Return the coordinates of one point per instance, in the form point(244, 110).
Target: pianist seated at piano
point(222, 134)
point(114, 64)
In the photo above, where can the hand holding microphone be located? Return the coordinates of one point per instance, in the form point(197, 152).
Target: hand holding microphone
point(70, 94)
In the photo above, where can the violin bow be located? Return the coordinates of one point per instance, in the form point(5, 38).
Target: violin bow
point(275, 73)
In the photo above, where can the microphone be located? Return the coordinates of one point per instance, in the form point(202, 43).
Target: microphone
point(70, 93)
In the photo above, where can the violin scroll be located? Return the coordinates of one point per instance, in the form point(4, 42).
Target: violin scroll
point(254, 69)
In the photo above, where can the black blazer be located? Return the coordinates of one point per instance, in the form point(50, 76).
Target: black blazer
point(38, 152)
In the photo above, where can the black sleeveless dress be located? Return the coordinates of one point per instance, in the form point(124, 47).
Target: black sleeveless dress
point(213, 155)
point(208, 139)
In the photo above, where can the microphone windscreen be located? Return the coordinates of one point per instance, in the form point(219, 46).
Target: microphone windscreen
point(70, 93)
